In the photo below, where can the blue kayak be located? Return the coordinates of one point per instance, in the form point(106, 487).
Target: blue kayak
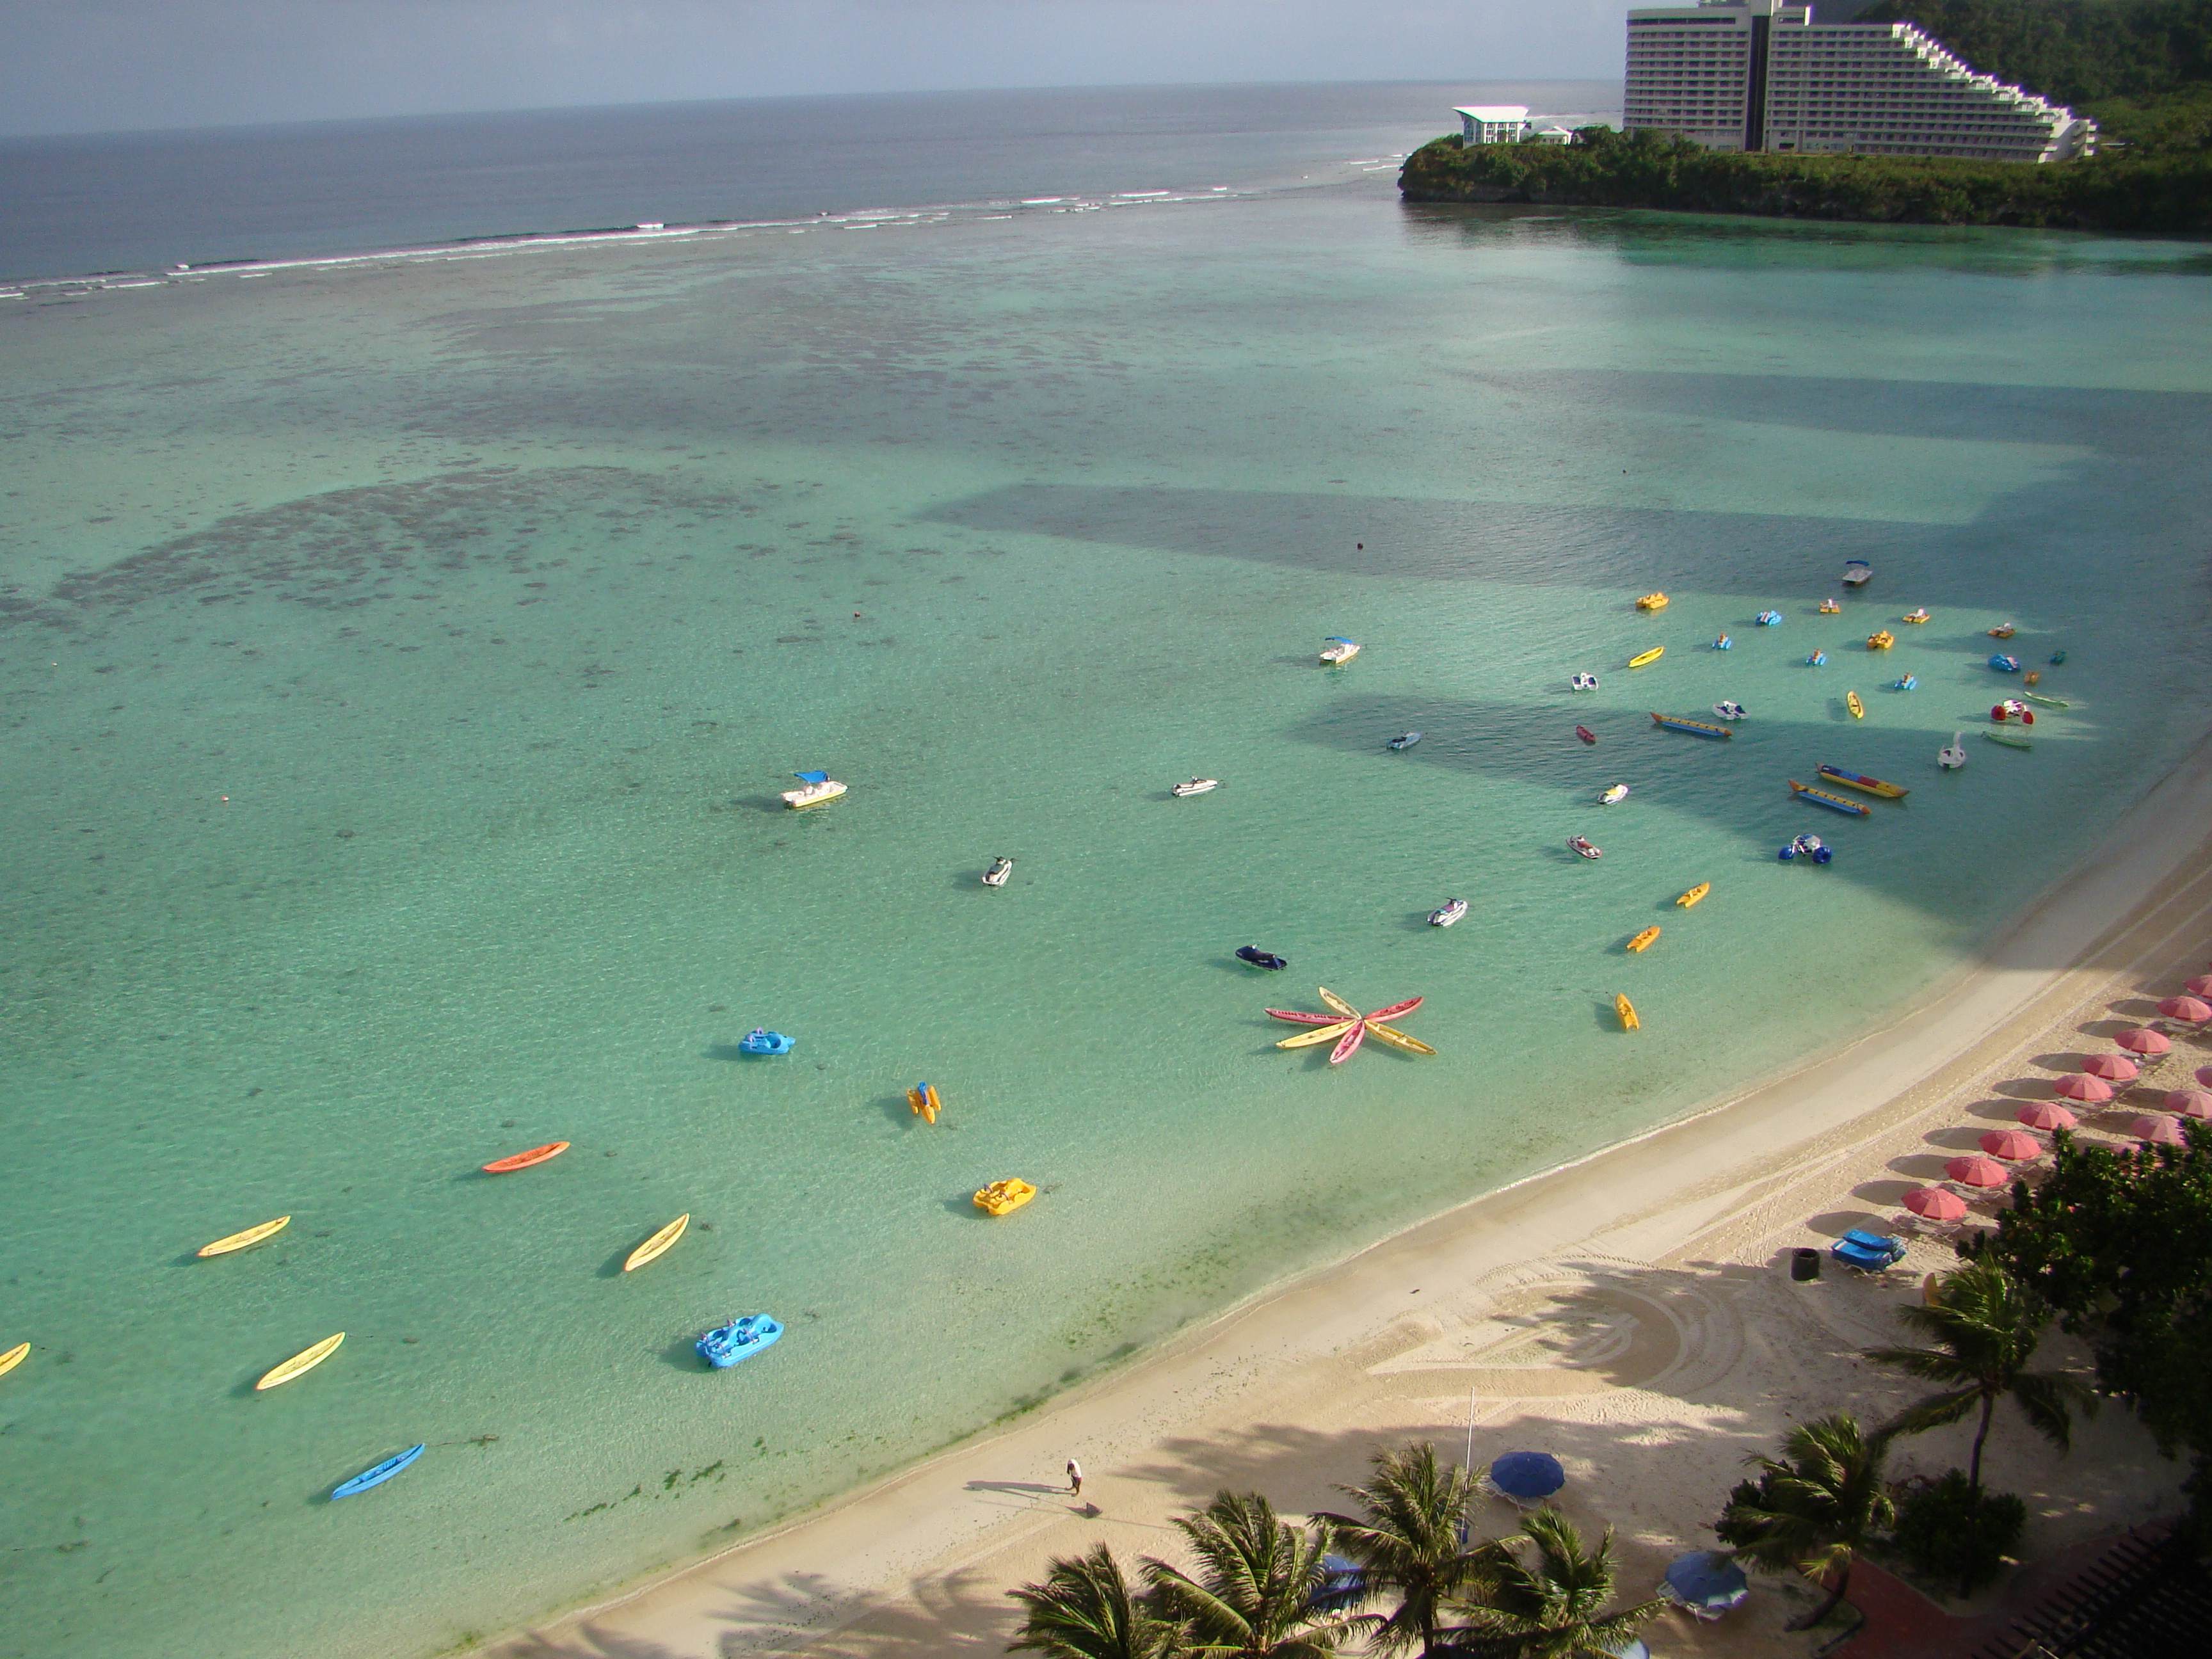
point(741, 1339)
point(377, 1476)
point(765, 1042)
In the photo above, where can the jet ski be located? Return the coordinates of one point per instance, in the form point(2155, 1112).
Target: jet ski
point(1195, 787)
point(1447, 913)
point(1258, 958)
point(1581, 844)
point(1613, 796)
point(997, 874)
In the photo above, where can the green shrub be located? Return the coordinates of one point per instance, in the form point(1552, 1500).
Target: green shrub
point(1947, 1535)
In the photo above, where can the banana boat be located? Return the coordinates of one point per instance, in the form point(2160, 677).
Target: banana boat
point(1695, 728)
point(1642, 941)
point(1855, 781)
point(1834, 803)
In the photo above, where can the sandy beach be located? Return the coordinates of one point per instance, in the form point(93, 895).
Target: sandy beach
point(1632, 1313)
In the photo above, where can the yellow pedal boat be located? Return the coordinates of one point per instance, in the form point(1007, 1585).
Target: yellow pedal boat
point(250, 1236)
point(1881, 641)
point(302, 1362)
point(1004, 1197)
point(1832, 607)
point(1652, 602)
point(1648, 657)
point(1626, 1010)
point(1694, 894)
point(656, 1247)
point(1642, 942)
point(922, 1098)
point(1919, 615)
point(13, 1358)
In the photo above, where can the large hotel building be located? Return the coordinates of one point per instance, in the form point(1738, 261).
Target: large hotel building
point(1763, 74)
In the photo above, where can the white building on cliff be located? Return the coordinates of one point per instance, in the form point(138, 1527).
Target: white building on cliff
point(1762, 75)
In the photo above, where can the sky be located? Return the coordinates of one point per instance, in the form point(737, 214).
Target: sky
point(121, 65)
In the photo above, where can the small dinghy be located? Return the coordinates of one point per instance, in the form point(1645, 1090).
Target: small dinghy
point(2003, 631)
point(1832, 607)
point(741, 1339)
point(1613, 796)
point(1724, 643)
point(1581, 845)
point(2005, 664)
point(1807, 846)
point(1953, 755)
point(758, 1042)
point(1258, 958)
point(1834, 803)
point(997, 874)
point(1195, 787)
point(1729, 709)
point(1908, 683)
point(1405, 740)
point(1857, 573)
point(1851, 701)
point(1338, 649)
point(1583, 683)
point(820, 787)
point(1918, 616)
point(377, 1476)
point(1585, 734)
point(2012, 708)
point(1768, 619)
point(921, 1100)
point(1447, 913)
point(1818, 660)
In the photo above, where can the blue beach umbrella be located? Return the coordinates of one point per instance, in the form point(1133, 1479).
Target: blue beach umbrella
point(1344, 1585)
point(1704, 1580)
point(1528, 1474)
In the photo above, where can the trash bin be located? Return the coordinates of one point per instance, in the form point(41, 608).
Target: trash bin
point(1804, 1264)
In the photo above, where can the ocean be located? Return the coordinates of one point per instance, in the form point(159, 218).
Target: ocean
point(1010, 515)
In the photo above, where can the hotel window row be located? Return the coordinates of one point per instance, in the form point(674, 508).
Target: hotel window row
point(1763, 74)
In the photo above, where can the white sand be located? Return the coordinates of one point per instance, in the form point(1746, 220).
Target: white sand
point(1632, 1314)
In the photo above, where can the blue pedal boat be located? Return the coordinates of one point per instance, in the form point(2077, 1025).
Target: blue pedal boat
point(741, 1339)
point(757, 1042)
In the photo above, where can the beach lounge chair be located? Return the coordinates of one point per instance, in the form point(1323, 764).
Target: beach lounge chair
point(1868, 1253)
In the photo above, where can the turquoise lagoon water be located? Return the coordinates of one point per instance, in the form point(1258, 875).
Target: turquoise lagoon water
point(401, 665)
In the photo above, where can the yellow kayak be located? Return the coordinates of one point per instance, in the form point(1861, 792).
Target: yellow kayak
point(1649, 657)
point(302, 1362)
point(1626, 1010)
point(1004, 1197)
point(1694, 894)
point(1851, 701)
point(1642, 941)
point(656, 1247)
point(13, 1358)
point(250, 1236)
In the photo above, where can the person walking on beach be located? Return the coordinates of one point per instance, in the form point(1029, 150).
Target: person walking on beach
point(1074, 1478)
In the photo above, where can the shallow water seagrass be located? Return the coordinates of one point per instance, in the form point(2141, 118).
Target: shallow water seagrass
point(399, 705)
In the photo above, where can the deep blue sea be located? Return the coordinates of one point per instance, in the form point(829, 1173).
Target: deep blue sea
point(400, 659)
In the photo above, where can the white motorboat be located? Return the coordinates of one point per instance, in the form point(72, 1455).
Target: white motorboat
point(997, 874)
point(1613, 796)
point(1405, 740)
point(1196, 787)
point(1954, 756)
point(820, 787)
point(1339, 649)
point(1448, 912)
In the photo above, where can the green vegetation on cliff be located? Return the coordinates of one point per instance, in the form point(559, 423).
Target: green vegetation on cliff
point(2142, 67)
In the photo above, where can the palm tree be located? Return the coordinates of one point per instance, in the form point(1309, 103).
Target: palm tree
point(1815, 1511)
point(1551, 1606)
point(1410, 1537)
point(1252, 1597)
point(1984, 1325)
point(1085, 1610)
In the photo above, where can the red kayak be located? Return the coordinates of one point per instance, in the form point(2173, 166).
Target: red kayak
point(524, 1160)
point(1585, 734)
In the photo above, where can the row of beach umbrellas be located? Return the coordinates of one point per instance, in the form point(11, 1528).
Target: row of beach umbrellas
point(2092, 1085)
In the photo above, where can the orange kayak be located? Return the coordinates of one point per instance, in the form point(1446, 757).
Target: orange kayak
point(524, 1160)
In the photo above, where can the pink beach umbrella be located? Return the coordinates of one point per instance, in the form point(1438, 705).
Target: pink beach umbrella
point(2194, 1010)
point(2200, 987)
point(2113, 1068)
point(2158, 1130)
point(1977, 1172)
point(2011, 1145)
point(2048, 1114)
point(1935, 1204)
point(2086, 1090)
point(2189, 1102)
point(2204, 1076)
point(2144, 1041)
